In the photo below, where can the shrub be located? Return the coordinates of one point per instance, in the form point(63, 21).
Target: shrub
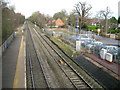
point(117, 37)
point(85, 26)
point(104, 35)
point(107, 36)
point(93, 28)
point(117, 33)
point(113, 30)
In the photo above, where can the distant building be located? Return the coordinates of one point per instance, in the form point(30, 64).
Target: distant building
point(59, 22)
point(95, 22)
point(55, 23)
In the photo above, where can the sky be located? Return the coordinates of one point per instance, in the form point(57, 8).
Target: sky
point(27, 7)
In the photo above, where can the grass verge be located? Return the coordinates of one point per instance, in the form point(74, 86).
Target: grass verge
point(80, 70)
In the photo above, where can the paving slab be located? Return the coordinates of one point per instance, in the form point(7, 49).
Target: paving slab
point(13, 64)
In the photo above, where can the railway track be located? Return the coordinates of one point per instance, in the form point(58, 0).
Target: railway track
point(37, 77)
point(53, 73)
point(77, 81)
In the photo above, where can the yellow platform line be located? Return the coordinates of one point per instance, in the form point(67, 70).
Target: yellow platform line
point(15, 83)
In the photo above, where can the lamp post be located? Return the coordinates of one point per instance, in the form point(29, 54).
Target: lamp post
point(35, 24)
point(92, 33)
point(77, 26)
point(7, 33)
point(13, 29)
point(102, 29)
point(119, 35)
point(7, 38)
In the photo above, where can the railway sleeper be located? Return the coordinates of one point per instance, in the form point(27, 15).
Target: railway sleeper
point(81, 85)
point(77, 80)
point(68, 69)
point(71, 73)
point(74, 78)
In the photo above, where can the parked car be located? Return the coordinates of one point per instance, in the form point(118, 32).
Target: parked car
point(103, 53)
point(97, 43)
point(90, 41)
point(115, 54)
point(110, 47)
point(82, 37)
point(89, 47)
point(83, 42)
point(98, 47)
point(112, 52)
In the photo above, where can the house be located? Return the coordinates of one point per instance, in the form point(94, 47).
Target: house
point(95, 22)
point(59, 22)
point(50, 22)
point(55, 23)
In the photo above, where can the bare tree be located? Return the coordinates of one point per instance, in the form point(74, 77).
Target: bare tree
point(105, 13)
point(82, 9)
point(38, 18)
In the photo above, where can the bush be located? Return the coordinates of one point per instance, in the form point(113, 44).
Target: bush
point(117, 37)
point(85, 26)
point(104, 35)
point(107, 36)
point(117, 33)
point(113, 30)
point(93, 28)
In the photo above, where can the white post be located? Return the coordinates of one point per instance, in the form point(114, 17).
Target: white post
point(78, 45)
point(98, 31)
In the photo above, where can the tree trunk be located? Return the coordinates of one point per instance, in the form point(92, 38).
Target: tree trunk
point(80, 24)
point(106, 26)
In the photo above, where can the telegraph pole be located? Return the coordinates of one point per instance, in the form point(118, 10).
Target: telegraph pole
point(77, 25)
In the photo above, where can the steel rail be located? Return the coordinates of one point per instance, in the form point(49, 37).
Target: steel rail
point(30, 64)
point(40, 62)
point(64, 61)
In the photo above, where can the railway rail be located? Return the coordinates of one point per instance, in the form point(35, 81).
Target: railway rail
point(77, 81)
point(36, 71)
point(53, 80)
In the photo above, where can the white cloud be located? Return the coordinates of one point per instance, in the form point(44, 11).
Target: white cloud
point(27, 7)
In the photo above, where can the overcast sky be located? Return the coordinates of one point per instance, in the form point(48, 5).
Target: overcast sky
point(27, 7)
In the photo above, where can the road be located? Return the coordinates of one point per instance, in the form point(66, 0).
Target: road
point(105, 40)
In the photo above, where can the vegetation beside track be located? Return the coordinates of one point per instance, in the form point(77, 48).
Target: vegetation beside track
point(81, 71)
point(62, 45)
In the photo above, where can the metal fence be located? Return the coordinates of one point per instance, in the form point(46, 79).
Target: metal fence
point(6, 43)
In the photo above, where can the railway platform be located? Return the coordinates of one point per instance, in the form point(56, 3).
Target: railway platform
point(13, 64)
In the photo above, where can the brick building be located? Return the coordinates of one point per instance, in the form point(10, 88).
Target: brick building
point(55, 23)
point(59, 22)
